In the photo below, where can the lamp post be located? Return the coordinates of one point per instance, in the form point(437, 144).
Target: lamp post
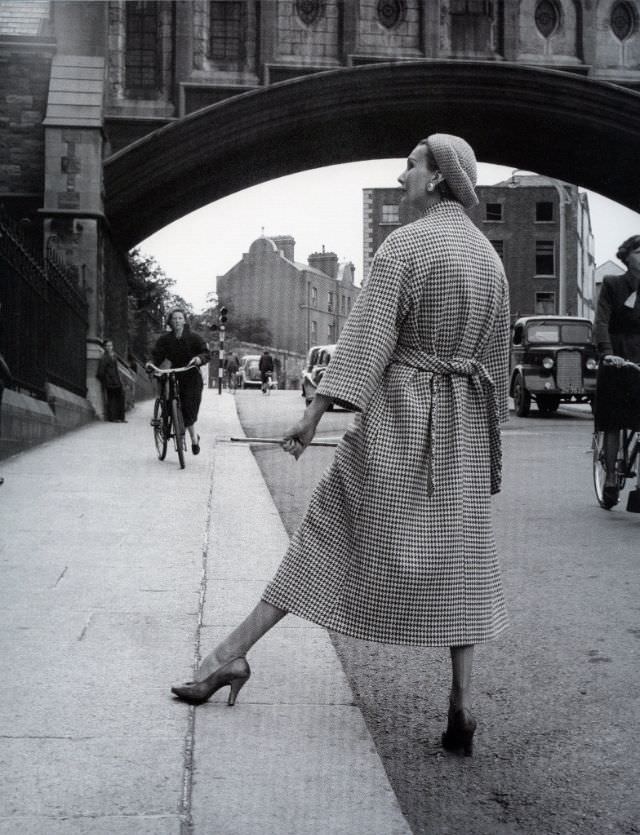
point(222, 326)
point(563, 201)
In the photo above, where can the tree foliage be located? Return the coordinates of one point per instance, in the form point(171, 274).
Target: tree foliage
point(149, 286)
point(150, 299)
point(238, 327)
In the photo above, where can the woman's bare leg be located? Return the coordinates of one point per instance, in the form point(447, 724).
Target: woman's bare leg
point(461, 669)
point(238, 643)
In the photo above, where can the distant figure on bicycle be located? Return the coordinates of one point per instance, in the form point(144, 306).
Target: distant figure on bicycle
point(617, 337)
point(180, 346)
point(266, 369)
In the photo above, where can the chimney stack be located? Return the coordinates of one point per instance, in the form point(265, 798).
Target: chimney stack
point(286, 245)
point(327, 262)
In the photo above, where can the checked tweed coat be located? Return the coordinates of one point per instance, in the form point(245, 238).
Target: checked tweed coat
point(397, 544)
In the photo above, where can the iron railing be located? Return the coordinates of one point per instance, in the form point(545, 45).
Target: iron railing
point(44, 316)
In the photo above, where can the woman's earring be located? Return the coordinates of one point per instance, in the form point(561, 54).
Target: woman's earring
point(430, 186)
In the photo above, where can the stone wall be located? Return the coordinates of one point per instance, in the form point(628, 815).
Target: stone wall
point(24, 83)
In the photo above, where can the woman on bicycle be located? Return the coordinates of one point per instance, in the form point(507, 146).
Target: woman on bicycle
point(617, 336)
point(180, 346)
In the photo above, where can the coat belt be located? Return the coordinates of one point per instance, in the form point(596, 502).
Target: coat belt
point(479, 377)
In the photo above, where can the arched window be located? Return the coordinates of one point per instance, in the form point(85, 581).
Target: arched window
point(623, 20)
point(391, 12)
point(547, 17)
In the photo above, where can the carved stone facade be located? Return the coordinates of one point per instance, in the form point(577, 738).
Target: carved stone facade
point(208, 50)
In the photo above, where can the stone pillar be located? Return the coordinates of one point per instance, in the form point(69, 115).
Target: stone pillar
point(73, 198)
point(184, 50)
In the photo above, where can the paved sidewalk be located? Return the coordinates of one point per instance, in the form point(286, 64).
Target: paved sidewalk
point(115, 568)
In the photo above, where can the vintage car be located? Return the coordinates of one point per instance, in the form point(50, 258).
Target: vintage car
point(318, 359)
point(553, 360)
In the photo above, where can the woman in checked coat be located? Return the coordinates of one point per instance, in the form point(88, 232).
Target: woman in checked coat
point(397, 545)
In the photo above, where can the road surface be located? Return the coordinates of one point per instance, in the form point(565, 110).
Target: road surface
point(556, 696)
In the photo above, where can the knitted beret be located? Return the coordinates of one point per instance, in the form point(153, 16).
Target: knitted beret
point(457, 164)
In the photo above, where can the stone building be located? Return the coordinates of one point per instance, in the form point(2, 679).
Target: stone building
point(540, 227)
point(302, 304)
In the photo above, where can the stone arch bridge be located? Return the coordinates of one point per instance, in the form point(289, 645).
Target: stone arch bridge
point(556, 123)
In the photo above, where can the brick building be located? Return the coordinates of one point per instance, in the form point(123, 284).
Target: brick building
point(541, 229)
point(302, 304)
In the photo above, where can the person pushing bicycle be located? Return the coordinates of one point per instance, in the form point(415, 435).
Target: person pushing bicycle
point(617, 337)
point(181, 347)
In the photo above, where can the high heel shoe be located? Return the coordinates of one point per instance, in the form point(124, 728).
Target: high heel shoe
point(460, 729)
point(234, 673)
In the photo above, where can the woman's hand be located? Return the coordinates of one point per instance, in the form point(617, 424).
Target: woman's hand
point(298, 438)
point(194, 361)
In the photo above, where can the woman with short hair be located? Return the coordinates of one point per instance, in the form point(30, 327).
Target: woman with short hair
point(182, 347)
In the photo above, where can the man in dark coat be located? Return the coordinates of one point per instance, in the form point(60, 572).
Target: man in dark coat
point(617, 336)
point(112, 387)
point(266, 368)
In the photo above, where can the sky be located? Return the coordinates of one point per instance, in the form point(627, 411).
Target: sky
point(318, 208)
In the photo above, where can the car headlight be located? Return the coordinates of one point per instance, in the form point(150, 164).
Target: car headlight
point(547, 362)
point(591, 364)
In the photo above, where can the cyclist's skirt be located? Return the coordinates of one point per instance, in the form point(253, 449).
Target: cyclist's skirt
point(617, 402)
point(190, 396)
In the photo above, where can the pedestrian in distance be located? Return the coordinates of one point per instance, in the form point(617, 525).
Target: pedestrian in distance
point(617, 338)
point(232, 366)
point(397, 545)
point(180, 346)
point(112, 388)
point(265, 367)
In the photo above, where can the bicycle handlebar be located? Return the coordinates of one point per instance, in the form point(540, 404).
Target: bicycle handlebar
point(158, 372)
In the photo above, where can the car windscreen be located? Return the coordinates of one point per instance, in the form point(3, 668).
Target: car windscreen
point(542, 332)
point(577, 332)
point(557, 332)
point(252, 370)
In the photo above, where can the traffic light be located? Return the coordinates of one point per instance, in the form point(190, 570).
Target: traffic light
point(222, 315)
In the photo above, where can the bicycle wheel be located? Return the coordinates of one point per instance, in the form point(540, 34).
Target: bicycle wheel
point(600, 468)
point(178, 430)
point(160, 429)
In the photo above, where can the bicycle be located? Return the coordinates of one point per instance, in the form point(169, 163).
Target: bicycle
point(167, 420)
point(627, 461)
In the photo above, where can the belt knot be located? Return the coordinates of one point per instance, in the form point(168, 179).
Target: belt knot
point(478, 375)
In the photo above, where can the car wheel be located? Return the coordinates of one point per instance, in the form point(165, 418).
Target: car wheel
point(521, 397)
point(548, 403)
